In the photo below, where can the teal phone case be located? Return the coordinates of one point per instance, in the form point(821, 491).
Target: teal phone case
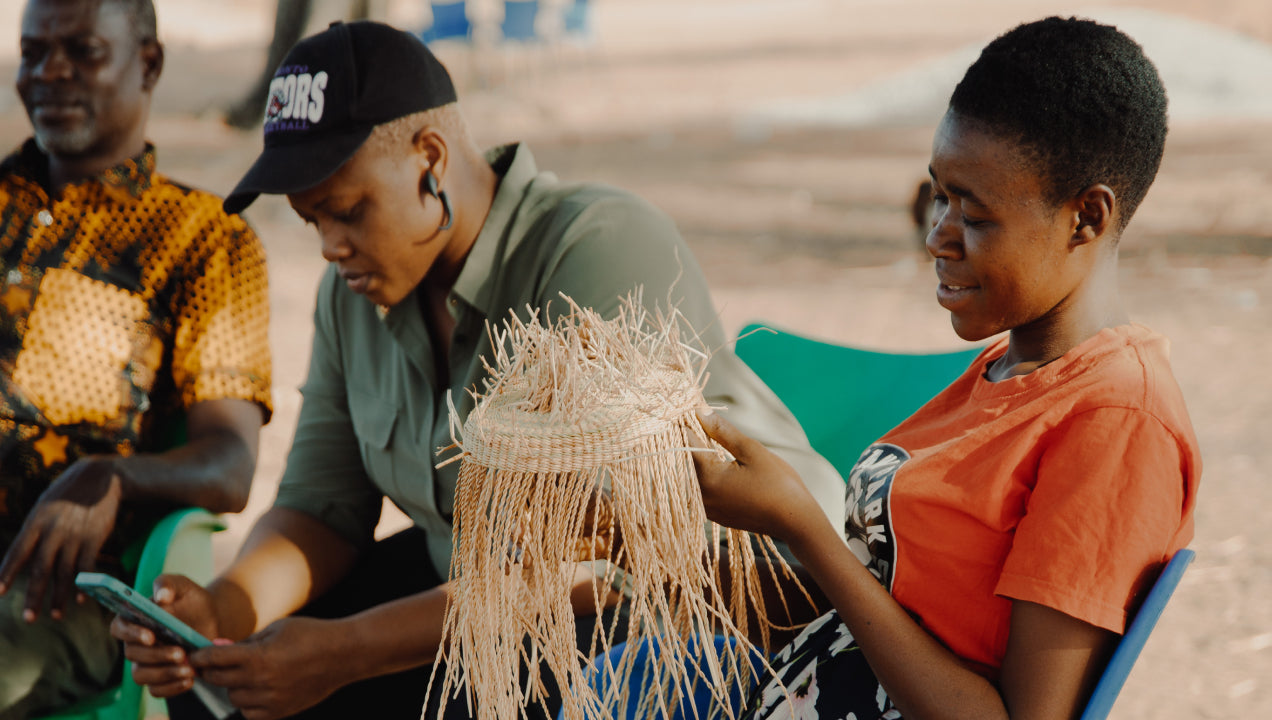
point(136, 608)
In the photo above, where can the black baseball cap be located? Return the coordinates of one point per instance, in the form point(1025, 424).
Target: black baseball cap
point(330, 92)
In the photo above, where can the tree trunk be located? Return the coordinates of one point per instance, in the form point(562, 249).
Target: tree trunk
point(290, 19)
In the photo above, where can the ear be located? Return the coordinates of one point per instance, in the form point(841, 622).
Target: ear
point(1093, 214)
point(151, 64)
point(432, 156)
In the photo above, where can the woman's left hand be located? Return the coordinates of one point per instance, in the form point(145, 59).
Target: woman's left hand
point(758, 491)
point(291, 665)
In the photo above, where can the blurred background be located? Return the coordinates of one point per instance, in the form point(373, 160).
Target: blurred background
point(787, 138)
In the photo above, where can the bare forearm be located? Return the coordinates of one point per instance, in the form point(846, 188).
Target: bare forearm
point(397, 635)
point(922, 677)
point(212, 470)
point(288, 559)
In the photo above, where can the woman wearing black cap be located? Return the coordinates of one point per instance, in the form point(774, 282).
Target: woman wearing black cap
point(428, 239)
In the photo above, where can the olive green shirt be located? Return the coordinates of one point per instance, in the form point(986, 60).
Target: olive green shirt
point(375, 410)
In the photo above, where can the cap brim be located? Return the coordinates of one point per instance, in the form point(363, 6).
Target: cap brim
point(295, 167)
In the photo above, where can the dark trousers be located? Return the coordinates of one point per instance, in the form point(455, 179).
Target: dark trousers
point(393, 568)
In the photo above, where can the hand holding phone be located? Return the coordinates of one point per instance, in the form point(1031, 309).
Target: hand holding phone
point(140, 610)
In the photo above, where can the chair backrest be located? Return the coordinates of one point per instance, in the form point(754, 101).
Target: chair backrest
point(846, 398)
point(450, 22)
point(1132, 643)
point(180, 542)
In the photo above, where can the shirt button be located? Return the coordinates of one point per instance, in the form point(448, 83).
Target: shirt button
point(45, 217)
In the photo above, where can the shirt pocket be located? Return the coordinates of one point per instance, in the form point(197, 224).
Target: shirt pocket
point(374, 420)
point(89, 354)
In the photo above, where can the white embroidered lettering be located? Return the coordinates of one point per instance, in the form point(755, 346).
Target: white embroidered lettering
point(289, 90)
point(316, 97)
point(300, 108)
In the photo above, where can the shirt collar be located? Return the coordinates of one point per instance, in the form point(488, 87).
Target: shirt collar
point(131, 177)
point(517, 169)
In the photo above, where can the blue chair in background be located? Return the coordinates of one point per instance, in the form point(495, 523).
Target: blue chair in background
point(519, 20)
point(844, 397)
point(576, 21)
point(1132, 643)
point(450, 22)
point(180, 542)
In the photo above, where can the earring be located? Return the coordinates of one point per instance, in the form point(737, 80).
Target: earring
point(430, 186)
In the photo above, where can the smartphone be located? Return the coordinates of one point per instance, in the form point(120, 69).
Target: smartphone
point(137, 608)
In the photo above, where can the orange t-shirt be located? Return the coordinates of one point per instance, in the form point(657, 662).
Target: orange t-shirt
point(1067, 487)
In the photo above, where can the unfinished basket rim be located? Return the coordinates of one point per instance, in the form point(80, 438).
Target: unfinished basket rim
point(510, 437)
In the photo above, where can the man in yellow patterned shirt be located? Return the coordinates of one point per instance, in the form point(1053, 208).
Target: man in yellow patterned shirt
point(134, 356)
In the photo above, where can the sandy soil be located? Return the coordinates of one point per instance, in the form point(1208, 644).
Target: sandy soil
point(807, 227)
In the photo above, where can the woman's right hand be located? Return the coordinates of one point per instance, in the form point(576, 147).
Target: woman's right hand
point(757, 490)
point(165, 668)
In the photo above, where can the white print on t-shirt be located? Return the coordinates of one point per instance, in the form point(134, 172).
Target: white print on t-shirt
point(868, 516)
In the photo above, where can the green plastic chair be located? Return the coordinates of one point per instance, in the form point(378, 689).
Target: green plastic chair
point(180, 542)
point(844, 397)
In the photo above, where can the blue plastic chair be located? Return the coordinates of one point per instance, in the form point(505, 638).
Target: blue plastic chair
point(576, 20)
point(844, 397)
point(1132, 643)
point(180, 542)
point(450, 22)
point(519, 19)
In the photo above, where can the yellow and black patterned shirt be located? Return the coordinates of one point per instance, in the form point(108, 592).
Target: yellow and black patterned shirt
point(124, 299)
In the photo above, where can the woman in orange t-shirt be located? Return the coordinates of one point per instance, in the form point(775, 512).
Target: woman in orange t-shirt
point(997, 538)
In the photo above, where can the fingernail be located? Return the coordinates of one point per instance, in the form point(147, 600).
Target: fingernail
point(222, 641)
point(28, 615)
point(185, 671)
point(55, 614)
point(163, 594)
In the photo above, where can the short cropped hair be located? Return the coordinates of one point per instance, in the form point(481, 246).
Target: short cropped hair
point(142, 14)
point(394, 135)
point(1080, 97)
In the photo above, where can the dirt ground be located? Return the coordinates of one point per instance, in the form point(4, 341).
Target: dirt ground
point(807, 227)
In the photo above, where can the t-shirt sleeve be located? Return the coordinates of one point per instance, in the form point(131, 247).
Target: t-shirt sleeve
point(221, 347)
point(324, 477)
point(1102, 518)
